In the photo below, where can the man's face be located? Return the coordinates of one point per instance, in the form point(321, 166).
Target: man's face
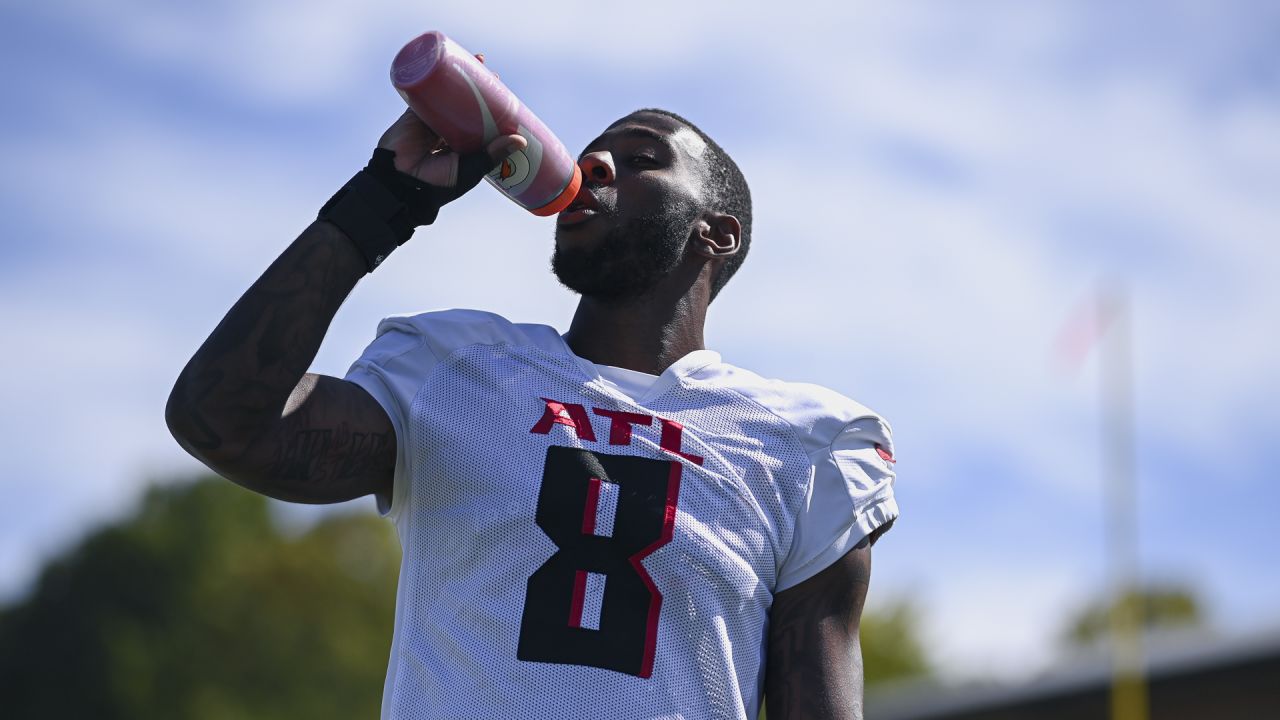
point(642, 192)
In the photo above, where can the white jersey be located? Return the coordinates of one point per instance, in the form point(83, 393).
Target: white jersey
point(580, 547)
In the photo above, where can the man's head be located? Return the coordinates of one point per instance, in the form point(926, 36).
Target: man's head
point(658, 194)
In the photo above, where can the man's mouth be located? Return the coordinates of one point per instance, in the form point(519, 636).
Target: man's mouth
point(575, 216)
point(583, 208)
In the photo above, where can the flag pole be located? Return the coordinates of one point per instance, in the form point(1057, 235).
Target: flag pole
point(1128, 686)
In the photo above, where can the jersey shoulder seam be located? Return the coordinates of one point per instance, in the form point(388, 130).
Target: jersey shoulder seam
point(795, 436)
point(795, 433)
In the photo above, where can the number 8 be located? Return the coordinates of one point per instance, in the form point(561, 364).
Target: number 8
point(550, 628)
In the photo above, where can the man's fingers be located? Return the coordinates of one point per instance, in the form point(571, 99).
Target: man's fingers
point(501, 148)
point(408, 134)
point(410, 119)
point(480, 57)
point(438, 170)
point(450, 170)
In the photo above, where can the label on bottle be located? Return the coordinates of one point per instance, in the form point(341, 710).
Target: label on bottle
point(518, 171)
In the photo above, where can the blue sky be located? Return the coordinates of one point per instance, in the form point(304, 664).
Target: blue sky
point(937, 190)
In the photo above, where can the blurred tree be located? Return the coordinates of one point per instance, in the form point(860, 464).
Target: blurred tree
point(200, 607)
point(891, 647)
point(1160, 607)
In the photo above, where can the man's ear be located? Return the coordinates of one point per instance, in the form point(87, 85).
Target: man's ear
point(717, 235)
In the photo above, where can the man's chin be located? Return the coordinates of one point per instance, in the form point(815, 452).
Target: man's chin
point(581, 235)
point(575, 268)
point(612, 264)
point(590, 275)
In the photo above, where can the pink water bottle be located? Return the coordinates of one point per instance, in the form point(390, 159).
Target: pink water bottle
point(467, 105)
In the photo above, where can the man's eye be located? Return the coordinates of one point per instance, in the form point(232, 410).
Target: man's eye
point(644, 160)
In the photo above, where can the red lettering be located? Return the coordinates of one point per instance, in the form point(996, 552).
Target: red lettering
point(570, 414)
point(672, 432)
point(620, 424)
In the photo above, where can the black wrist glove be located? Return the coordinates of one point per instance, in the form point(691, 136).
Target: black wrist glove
point(379, 208)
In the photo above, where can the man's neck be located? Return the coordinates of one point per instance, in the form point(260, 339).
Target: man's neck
point(646, 334)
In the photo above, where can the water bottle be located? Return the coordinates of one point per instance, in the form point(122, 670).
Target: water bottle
point(467, 105)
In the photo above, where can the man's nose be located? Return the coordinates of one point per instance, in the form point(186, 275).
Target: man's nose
point(597, 167)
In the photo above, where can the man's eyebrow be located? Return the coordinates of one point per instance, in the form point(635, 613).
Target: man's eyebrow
point(631, 130)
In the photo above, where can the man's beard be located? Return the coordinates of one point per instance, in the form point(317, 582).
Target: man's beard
point(631, 259)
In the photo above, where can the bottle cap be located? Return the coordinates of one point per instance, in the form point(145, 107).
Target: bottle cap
point(565, 197)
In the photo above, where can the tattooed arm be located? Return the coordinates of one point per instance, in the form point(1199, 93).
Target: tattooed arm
point(814, 668)
point(245, 406)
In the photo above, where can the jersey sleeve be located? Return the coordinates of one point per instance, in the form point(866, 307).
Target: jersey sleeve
point(849, 498)
point(391, 369)
point(401, 358)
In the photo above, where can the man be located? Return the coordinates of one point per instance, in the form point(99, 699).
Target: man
point(611, 523)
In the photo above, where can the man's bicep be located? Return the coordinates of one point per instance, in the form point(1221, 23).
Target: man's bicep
point(334, 442)
point(814, 660)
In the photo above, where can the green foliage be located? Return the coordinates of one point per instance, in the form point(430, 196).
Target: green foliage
point(891, 647)
point(1156, 608)
point(200, 607)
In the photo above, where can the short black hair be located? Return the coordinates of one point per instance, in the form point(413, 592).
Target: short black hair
point(729, 194)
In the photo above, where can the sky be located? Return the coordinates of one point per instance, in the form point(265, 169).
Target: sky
point(938, 189)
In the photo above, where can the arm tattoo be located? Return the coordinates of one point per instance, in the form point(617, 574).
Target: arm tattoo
point(229, 403)
point(321, 456)
point(204, 437)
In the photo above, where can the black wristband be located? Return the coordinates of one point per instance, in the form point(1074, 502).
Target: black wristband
point(370, 213)
point(379, 207)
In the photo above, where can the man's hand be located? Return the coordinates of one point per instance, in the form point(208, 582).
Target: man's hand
point(422, 153)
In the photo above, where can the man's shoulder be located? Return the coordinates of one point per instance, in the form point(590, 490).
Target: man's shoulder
point(445, 331)
point(817, 414)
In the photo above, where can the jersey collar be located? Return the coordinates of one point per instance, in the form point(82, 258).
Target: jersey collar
point(684, 367)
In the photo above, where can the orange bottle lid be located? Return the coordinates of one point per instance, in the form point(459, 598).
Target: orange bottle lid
point(565, 197)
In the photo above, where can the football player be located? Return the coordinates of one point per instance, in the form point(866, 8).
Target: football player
point(612, 522)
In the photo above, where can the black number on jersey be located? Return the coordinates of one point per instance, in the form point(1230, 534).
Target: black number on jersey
point(551, 628)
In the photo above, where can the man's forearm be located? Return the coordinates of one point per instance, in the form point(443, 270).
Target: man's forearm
point(240, 379)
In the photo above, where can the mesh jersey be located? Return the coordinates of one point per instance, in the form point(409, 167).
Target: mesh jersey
point(574, 552)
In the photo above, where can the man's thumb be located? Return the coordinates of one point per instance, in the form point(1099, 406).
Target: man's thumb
point(472, 167)
point(502, 147)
